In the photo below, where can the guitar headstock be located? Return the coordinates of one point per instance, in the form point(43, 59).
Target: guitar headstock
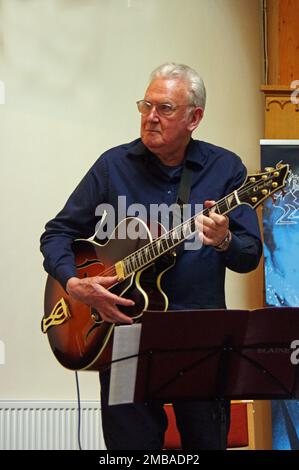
point(258, 187)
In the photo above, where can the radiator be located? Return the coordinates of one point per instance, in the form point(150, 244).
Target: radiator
point(52, 425)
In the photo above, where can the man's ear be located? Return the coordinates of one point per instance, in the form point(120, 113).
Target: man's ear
point(195, 118)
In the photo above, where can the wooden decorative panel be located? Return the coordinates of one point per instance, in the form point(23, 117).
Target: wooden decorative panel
point(281, 112)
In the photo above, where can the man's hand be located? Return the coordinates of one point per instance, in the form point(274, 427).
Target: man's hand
point(94, 291)
point(213, 229)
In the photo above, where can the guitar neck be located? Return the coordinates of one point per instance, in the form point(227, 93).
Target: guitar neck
point(172, 239)
point(256, 188)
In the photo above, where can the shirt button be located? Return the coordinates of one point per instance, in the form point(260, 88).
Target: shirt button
point(169, 192)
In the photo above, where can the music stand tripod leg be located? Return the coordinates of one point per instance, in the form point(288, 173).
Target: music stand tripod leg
point(222, 377)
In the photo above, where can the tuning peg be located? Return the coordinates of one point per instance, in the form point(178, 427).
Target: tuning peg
point(269, 168)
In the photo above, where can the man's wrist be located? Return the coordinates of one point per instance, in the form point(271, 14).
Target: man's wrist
point(223, 246)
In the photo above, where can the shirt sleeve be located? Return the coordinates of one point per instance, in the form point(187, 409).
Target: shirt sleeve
point(76, 220)
point(245, 250)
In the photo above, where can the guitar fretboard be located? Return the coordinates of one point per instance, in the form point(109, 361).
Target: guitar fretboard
point(170, 240)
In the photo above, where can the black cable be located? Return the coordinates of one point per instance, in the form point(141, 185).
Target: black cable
point(79, 410)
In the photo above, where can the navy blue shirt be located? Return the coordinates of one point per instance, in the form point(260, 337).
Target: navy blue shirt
point(132, 171)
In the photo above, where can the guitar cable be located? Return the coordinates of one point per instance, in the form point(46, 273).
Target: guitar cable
point(79, 410)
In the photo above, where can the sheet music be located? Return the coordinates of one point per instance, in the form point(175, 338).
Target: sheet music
point(123, 374)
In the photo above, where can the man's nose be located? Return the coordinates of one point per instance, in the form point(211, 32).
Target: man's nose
point(153, 114)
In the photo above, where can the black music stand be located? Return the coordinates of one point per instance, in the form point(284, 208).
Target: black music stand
point(218, 354)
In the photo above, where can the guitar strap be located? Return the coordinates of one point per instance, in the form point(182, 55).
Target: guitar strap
point(183, 193)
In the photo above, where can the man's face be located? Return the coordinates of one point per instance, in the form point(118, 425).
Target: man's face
point(167, 134)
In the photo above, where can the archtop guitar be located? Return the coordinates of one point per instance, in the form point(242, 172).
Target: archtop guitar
point(78, 337)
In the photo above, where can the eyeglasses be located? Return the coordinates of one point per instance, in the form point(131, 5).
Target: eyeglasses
point(163, 109)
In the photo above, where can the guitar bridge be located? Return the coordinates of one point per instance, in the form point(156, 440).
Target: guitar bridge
point(59, 315)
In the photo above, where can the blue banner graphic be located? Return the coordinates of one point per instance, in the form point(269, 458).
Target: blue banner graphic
point(281, 250)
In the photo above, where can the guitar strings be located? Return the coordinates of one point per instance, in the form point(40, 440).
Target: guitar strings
point(166, 236)
point(221, 203)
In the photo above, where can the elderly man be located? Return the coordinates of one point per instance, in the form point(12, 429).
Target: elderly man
point(148, 170)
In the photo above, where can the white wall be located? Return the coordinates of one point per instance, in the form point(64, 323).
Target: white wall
point(73, 70)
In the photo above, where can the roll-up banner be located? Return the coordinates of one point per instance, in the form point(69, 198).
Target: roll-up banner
point(281, 250)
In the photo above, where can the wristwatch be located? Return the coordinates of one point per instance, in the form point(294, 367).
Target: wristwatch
point(223, 246)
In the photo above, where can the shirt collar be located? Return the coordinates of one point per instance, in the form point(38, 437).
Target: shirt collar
point(138, 149)
point(195, 153)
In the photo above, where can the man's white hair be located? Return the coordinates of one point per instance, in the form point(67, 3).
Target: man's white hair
point(197, 93)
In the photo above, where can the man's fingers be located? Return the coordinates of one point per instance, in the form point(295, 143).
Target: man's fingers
point(202, 222)
point(113, 315)
point(218, 219)
point(122, 301)
point(120, 317)
point(117, 317)
point(106, 281)
point(112, 298)
point(209, 203)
